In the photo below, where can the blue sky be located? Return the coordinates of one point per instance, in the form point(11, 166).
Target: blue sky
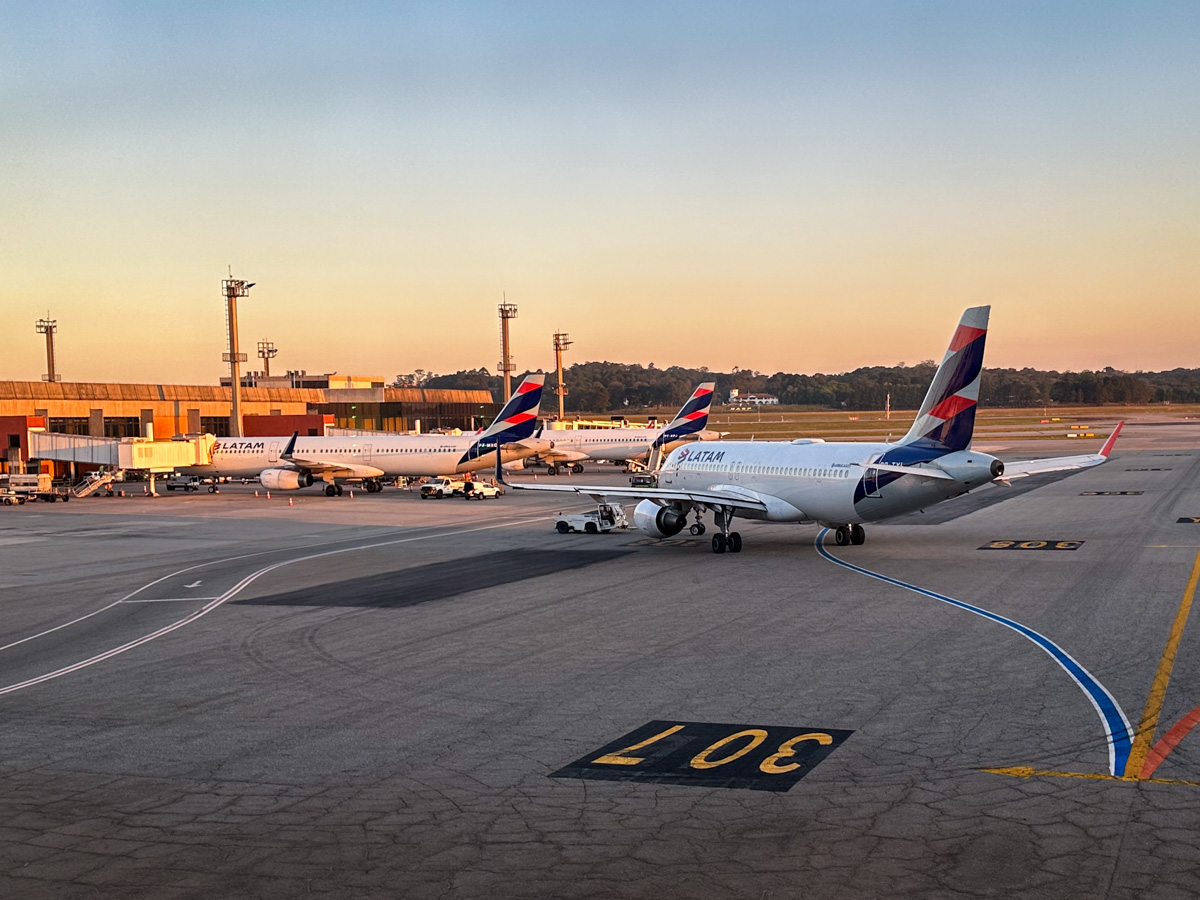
point(661, 180)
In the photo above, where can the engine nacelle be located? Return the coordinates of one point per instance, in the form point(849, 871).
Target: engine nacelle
point(658, 521)
point(970, 467)
point(285, 479)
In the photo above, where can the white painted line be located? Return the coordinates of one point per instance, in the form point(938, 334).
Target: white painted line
point(168, 600)
point(228, 595)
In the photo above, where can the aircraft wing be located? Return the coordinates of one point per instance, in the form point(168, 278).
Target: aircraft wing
point(663, 496)
point(1025, 468)
point(321, 466)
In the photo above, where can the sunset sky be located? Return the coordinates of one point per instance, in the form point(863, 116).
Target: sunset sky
point(795, 186)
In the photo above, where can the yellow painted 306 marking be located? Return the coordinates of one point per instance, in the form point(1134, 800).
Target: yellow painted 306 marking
point(619, 759)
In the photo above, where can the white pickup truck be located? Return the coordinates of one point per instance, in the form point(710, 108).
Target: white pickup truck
point(440, 488)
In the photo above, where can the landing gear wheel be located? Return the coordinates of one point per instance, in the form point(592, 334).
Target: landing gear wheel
point(718, 543)
point(697, 529)
point(735, 542)
point(562, 527)
point(551, 470)
point(331, 490)
point(577, 469)
point(857, 535)
point(339, 490)
point(842, 536)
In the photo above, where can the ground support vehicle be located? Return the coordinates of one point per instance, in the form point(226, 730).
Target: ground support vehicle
point(36, 486)
point(11, 498)
point(481, 490)
point(604, 518)
point(441, 488)
point(184, 483)
point(573, 468)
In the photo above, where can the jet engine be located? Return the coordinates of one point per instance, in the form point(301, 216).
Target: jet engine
point(285, 479)
point(658, 521)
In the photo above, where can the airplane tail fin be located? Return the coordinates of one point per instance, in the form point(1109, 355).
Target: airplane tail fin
point(518, 419)
point(946, 420)
point(693, 417)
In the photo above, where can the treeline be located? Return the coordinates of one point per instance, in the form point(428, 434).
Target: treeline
point(607, 386)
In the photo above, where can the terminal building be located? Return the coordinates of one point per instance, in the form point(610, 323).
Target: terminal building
point(166, 410)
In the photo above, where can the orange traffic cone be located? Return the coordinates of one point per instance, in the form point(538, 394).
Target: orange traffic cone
point(289, 501)
point(268, 495)
point(256, 493)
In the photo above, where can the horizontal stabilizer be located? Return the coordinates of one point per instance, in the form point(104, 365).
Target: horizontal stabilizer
point(1025, 468)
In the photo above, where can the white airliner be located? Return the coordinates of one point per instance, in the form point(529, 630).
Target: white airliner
point(572, 446)
point(839, 485)
point(293, 462)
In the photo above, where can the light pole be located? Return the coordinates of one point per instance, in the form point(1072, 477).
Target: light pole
point(507, 311)
point(266, 352)
point(561, 342)
point(49, 327)
point(234, 288)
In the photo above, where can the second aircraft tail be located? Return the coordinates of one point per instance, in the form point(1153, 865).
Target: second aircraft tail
point(693, 417)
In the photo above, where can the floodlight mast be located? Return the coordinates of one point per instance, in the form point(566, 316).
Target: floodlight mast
point(506, 368)
point(233, 288)
point(561, 342)
point(49, 327)
point(266, 352)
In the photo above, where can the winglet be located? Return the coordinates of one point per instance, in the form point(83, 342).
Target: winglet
point(287, 451)
point(1112, 439)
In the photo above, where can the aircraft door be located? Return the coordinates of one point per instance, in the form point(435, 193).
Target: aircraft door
point(366, 454)
point(273, 452)
point(871, 482)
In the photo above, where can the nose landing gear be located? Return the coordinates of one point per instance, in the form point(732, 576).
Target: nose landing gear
point(849, 534)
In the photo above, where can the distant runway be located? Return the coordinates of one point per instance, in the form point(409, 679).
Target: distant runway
point(224, 696)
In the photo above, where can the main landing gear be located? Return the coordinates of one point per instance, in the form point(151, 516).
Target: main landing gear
point(372, 485)
point(333, 490)
point(849, 534)
point(725, 539)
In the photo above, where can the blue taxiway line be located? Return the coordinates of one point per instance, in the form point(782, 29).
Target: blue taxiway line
point(1116, 726)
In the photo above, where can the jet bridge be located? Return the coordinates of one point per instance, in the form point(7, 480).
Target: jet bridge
point(143, 454)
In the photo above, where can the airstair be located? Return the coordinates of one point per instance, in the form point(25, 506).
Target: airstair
point(89, 486)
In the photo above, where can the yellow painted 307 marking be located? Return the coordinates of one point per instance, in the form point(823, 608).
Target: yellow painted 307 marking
point(618, 759)
point(702, 761)
point(771, 766)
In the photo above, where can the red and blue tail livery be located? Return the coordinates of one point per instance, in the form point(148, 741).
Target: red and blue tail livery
point(946, 420)
point(516, 421)
point(692, 418)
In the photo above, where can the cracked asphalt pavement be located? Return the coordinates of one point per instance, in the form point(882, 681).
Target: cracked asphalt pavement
point(384, 721)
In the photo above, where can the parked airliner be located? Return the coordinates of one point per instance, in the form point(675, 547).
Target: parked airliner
point(293, 462)
point(572, 446)
point(840, 485)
